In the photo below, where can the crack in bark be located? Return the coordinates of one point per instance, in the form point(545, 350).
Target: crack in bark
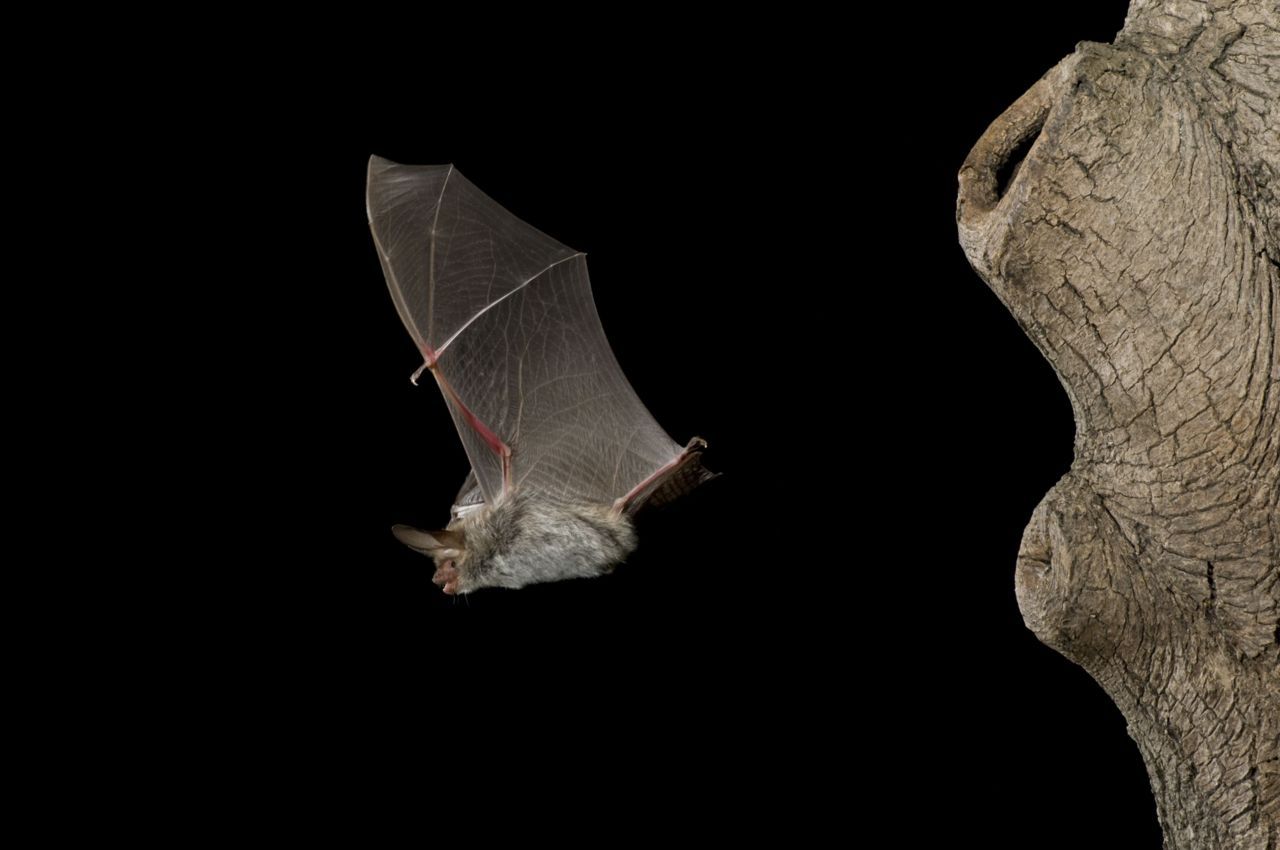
point(1213, 589)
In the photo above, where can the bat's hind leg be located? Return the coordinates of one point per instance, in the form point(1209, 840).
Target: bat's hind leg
point(677, 478)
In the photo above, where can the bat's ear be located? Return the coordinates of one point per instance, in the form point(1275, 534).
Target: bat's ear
point(429, 542)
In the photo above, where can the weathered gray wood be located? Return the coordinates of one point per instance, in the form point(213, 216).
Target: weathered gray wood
point(1138, 245)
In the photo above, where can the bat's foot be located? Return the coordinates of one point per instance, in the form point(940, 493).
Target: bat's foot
point(447, 577)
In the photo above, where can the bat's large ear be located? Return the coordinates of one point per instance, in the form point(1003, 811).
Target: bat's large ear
point(429, 542)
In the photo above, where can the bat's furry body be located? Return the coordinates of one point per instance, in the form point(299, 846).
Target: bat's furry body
point(525, 540)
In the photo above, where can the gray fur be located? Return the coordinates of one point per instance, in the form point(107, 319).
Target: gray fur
point(524, 541)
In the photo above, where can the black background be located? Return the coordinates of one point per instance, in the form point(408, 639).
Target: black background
point(826, 634)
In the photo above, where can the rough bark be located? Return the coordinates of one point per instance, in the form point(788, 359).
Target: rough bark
point(1138, 245)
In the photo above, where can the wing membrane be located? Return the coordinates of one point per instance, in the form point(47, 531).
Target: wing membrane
point(504, 316)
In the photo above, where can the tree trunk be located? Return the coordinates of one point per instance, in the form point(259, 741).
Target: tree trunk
point(1138, 244)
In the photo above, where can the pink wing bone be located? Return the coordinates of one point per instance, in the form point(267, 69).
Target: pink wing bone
point(492, 440)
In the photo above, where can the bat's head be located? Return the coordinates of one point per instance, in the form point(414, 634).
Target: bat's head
point(448, 548)
point(523, 541)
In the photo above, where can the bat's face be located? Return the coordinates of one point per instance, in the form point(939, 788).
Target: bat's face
point(523, 541)
point(449, 572)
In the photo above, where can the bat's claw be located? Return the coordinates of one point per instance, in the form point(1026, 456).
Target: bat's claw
point(446, 577)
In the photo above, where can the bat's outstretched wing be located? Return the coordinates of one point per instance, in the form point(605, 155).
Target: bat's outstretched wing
point(505, 321)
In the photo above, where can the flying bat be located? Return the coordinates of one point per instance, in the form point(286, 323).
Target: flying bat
point(563, 453)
